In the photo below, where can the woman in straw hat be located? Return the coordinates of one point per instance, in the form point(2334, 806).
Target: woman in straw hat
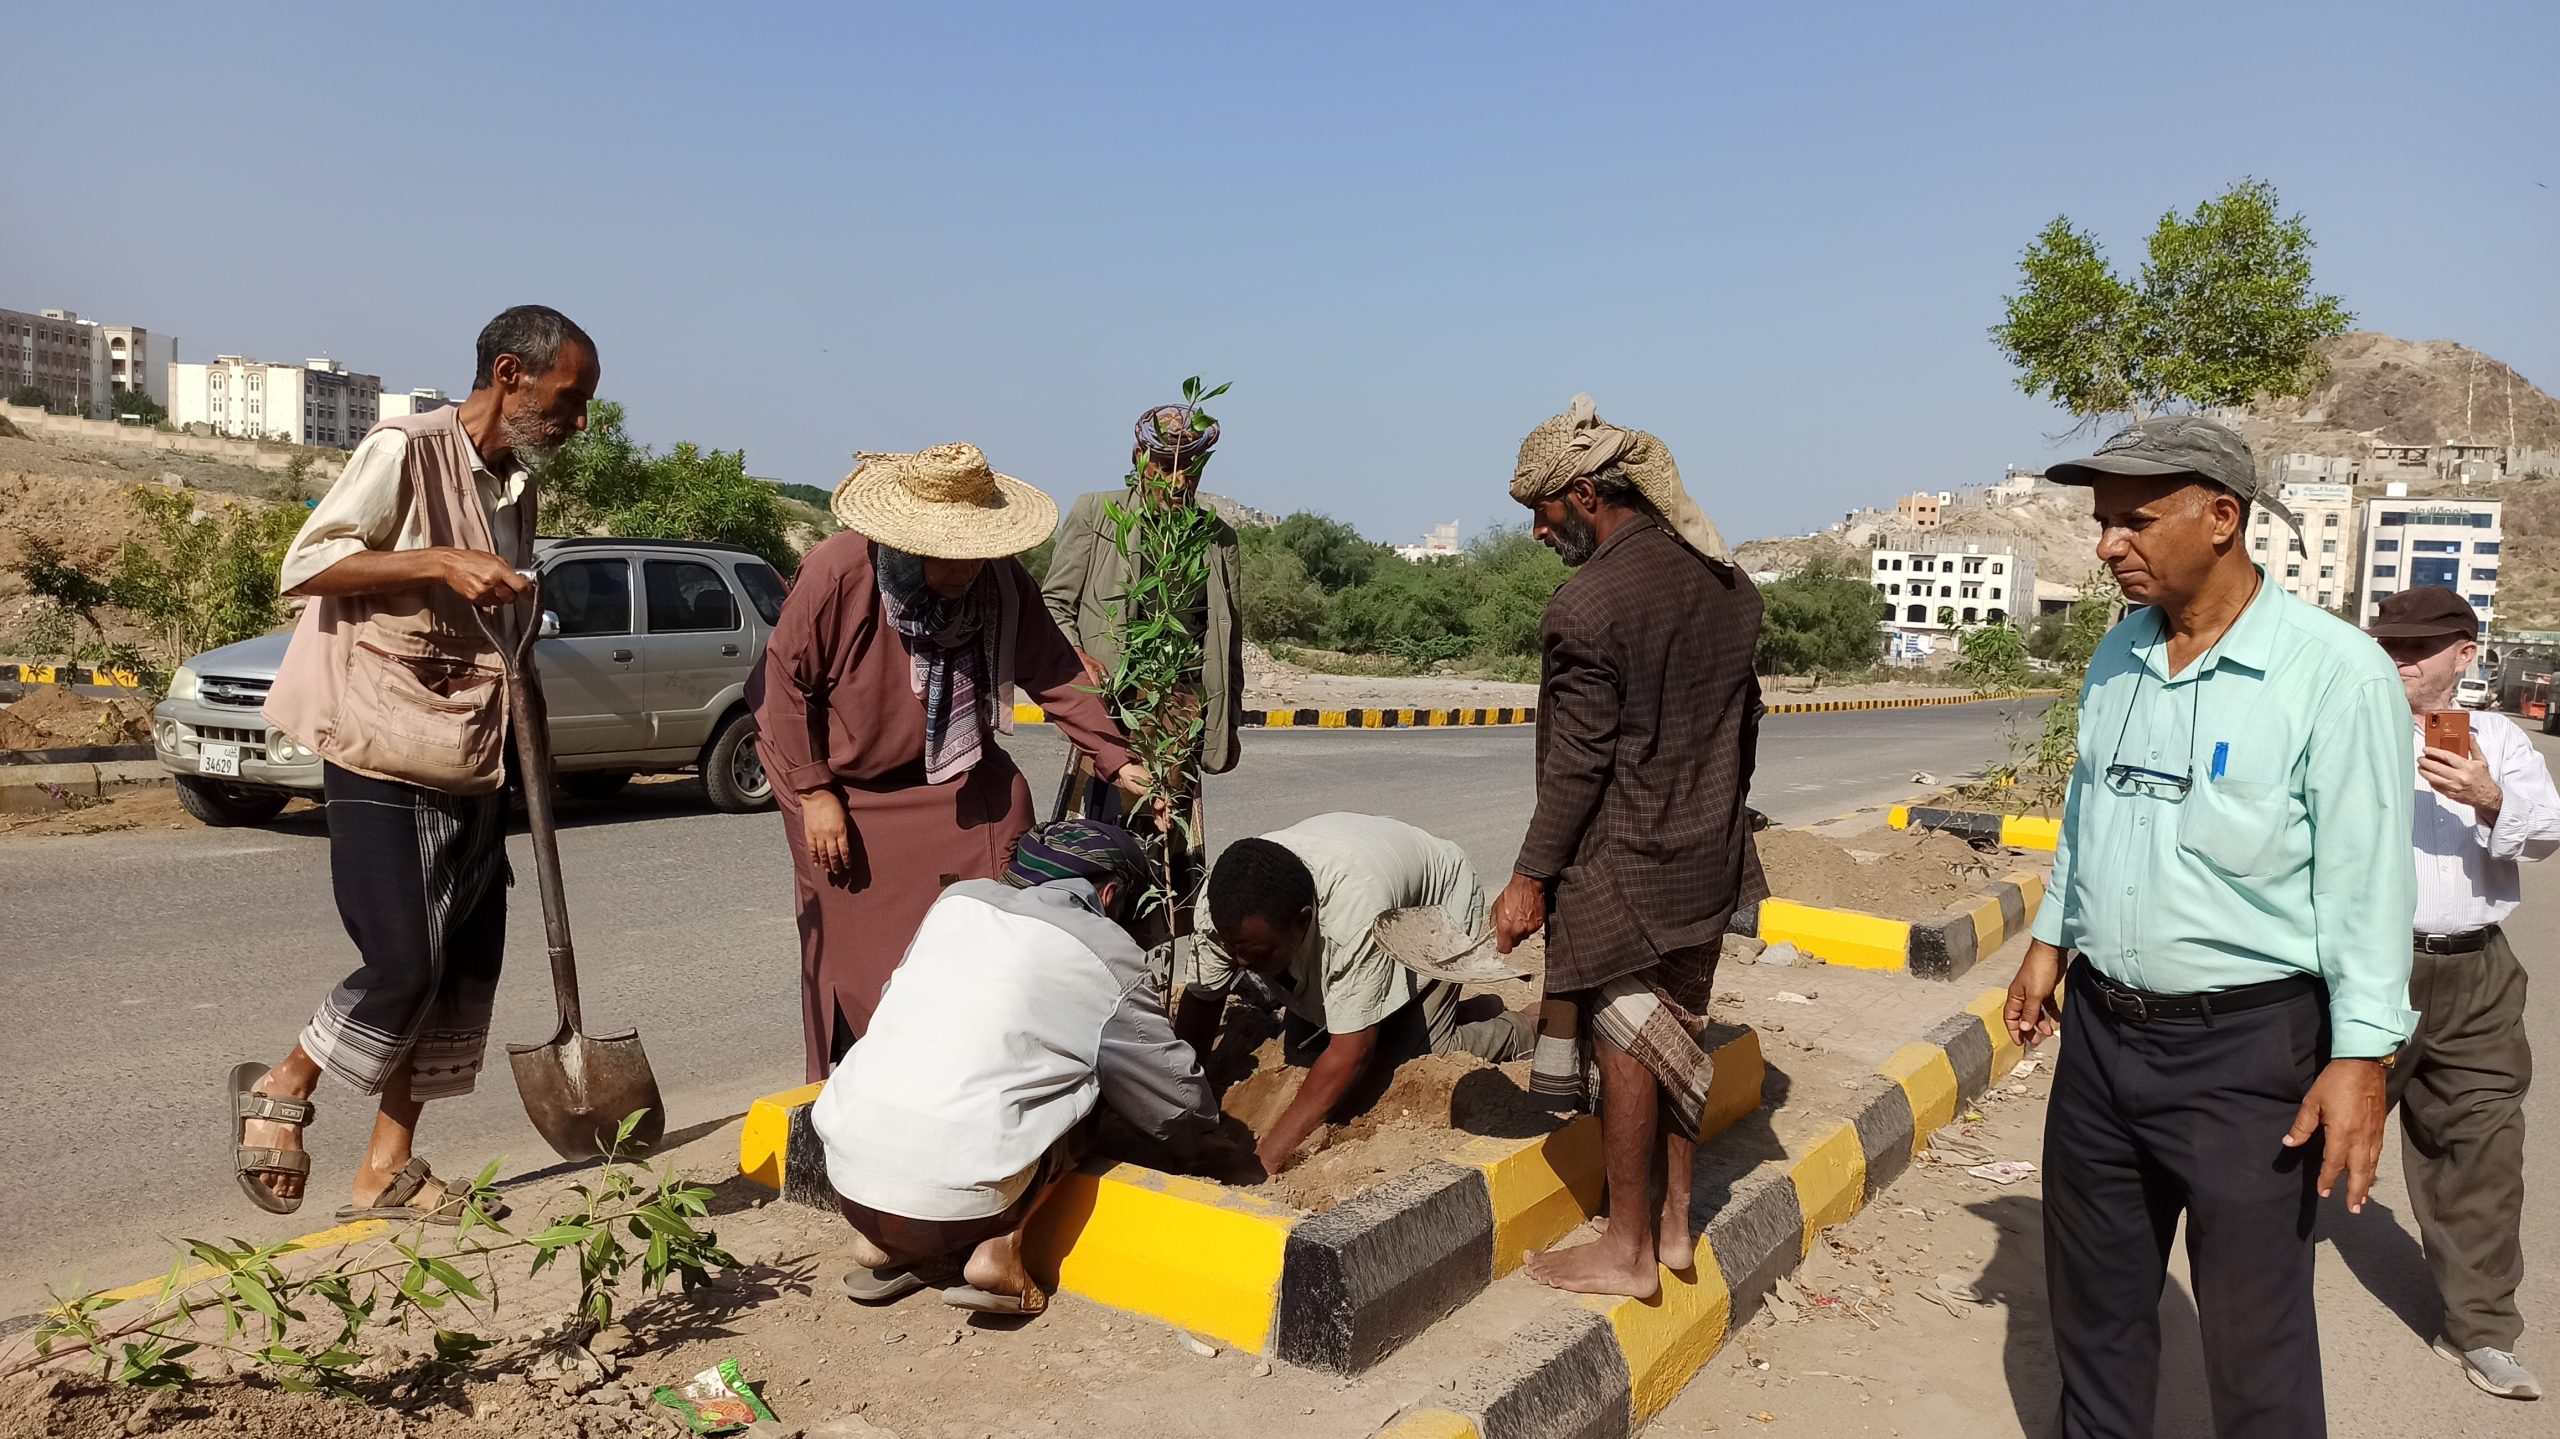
point(888, 677)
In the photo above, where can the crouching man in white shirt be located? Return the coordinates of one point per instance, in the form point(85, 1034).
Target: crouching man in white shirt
point(2460, 1084)
point(1020, 1002)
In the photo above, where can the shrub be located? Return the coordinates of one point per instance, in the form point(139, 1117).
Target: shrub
point(605, 482)
point(1818, 622)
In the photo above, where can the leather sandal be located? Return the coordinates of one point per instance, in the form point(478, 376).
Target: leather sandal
point(251, 1159)
point(399, 1200)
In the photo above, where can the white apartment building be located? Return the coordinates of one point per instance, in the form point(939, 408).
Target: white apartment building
point(1952, 583)
point(1441, 543)
point(415, 402)
point(318, 402)
point(2317, 566)
point(2453, 543)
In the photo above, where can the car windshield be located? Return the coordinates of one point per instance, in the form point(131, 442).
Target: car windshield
point(764, 589)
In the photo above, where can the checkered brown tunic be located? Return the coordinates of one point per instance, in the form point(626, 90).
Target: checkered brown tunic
point(1648, 720)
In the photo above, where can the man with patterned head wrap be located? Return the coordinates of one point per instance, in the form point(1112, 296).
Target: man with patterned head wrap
point(1021, 1004)
point(1088, 577)
point(1639, 850)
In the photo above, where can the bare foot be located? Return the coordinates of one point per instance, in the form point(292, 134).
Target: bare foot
point(269, 1134)
point(1603, 1266)
point(1677, 1247)
point(996, 1267)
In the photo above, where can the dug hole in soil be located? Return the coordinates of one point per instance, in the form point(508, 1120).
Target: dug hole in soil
point(51, 717)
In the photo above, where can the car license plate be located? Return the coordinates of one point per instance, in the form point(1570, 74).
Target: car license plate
point(219, 759)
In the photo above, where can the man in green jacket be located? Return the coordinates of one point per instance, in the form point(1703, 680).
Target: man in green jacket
point(1087, 575)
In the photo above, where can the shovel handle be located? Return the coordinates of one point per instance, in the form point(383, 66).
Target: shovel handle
point(525, 715)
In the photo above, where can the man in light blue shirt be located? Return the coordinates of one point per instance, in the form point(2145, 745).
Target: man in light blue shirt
point(2233, 878)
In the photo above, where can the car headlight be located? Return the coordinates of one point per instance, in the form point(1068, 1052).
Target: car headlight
point(183, 685)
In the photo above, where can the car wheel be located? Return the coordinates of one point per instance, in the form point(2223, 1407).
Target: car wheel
point(733, 773)
point(226, 806)
point(596, 785)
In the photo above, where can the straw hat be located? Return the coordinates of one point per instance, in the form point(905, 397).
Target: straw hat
point(944, 503)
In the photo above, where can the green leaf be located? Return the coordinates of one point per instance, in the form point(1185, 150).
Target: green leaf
point(630, 1122)
point(451, 1278)
point(561, 1235)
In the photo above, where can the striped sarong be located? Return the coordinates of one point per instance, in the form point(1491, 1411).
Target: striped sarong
point(1647, 1023)
point(421, 882)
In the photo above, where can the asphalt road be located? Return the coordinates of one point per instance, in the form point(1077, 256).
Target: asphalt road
point(140, 966)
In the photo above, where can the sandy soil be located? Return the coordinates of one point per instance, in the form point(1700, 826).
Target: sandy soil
point(1914, 874)
point(51, 717)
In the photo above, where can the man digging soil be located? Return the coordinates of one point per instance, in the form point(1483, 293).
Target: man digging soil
point(1640, 848)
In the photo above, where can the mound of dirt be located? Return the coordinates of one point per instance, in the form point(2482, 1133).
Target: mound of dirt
point(2405, 392)
point(55, 718)
point(1899, 875)
point(1432, 1105)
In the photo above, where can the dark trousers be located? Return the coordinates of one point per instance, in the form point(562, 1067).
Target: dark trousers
point(2151, 1120)
point(2460, 1088)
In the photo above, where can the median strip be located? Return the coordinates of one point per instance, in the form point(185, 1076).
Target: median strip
point(1940, 948)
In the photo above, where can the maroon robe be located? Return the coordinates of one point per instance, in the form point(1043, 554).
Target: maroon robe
point(836, 705)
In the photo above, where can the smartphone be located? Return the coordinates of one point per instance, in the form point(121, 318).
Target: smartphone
point(2449, 730)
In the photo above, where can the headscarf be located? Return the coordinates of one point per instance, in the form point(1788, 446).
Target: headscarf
point(1165, 429)
point(1578, 443)
point(951, 644)
point(1077, 849)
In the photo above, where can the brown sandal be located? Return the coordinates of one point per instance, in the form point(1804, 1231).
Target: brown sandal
point(250, 1159)
point(398, 1200)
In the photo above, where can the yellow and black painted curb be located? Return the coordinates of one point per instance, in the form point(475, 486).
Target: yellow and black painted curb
point(1337, 1291)
point(1599, 1368)
point(1526, 714)
point(27, 674)
point(2016, 831)
point(1941, 948)
point(1826, 707)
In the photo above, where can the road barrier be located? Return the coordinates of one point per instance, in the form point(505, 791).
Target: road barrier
point(1408, 718)
point(1941, 948)
point(1337, 1291)
point(2016, 831)
point(1599, 1367)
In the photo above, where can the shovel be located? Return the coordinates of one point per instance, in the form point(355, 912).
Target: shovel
point(1427, 941)
point(578, 1088)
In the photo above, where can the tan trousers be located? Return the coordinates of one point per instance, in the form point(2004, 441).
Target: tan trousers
point(2460, 1089)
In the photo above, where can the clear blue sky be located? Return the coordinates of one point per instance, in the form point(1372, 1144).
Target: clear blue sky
point(1772, 234)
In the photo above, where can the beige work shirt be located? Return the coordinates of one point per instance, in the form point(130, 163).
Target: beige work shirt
point(1343, 981)
point(367, 508)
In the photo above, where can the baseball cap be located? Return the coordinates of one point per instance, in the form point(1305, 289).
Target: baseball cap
point(2175, 445)
point(2424, 612)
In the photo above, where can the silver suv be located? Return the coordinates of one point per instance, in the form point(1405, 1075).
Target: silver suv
point(645, 652)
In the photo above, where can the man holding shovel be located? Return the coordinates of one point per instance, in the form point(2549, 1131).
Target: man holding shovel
point(399, 687)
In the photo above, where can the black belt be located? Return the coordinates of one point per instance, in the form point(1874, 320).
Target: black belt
point(2470, 941)
point(2142, 1006)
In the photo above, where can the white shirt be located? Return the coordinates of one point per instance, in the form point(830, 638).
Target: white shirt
point(366, 509)
point(1344, 981)
point(2466, 870)
point(985, 1050)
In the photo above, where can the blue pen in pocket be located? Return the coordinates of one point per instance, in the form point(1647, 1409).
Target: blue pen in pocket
point(2221, 756)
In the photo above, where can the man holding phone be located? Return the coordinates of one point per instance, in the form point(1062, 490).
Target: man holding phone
point(2485, 801)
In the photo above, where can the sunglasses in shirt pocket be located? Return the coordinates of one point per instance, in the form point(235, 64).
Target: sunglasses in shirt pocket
point(2234, 824)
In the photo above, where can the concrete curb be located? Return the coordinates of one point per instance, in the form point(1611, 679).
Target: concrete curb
point(37, 788)
point(2015, 831)
point(1337, 1291)
point(1941, 948)
point(1411, 718)
point(27, 674)
point(1599, 1368)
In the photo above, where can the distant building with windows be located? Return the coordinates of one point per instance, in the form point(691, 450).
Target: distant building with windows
point(2453, 543)
point(81, 364)
point(1941, 585)
point(318, 402)
point(414, 402)
point(2317, 566)
point(1441, 543)
point(1921, 510)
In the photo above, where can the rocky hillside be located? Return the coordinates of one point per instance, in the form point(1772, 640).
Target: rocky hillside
point(2406, 392)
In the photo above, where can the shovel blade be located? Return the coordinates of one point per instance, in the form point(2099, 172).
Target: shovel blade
point(579, 1088)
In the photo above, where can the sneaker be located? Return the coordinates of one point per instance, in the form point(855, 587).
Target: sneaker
point(2491, 1371)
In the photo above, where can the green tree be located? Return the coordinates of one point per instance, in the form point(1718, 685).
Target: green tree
point(202, 579)
point(31, 395)
point(1334, 554)
point(1947, 616)
point(1818, 621)
point(1992, 659)
point(2223, 312)
point(605, 482)
point(138, 404)
point(1279, 602)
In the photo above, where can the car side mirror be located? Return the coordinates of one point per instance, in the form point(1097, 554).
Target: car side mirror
point(550, 625)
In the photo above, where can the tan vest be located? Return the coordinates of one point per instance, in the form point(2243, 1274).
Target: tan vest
point(403, 685)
